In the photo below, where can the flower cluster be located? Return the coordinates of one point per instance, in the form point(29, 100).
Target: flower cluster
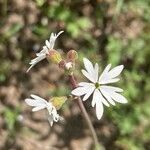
point(102, 94)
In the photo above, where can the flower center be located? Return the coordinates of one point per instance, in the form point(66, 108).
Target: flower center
point(97, 85)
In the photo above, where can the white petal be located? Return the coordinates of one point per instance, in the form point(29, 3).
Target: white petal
point(88, 65)
point(47, 44)
point(118, 97)
point(36, 60)
point(90, 69)
point(107, 96)
point(115, 71)
point(104, 73)
point(43, 51)
point(79, 91)
point(85, 84)
point(50, 119)
point(88, 76)
point(101, 98)
point(107, 81)
point(59, 33)
point(94, 99)
point(99, 106)
point(38, 108)
point(55, 115)
point(96, 71)
point(112, 88)
point(53, 38)
point(38, 98)
point(52, 41)
point(30, 68)
point(87, 95)
point(37, 102)
point(99, 110)
point(110, 76)
point(112, 91)
point(32, 102)
point(98, 98)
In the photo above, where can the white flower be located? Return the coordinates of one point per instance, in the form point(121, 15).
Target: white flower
point(49, 45)
point(102, 94)
point(39, 103)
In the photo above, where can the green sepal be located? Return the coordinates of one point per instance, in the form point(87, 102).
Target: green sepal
point(58, 101)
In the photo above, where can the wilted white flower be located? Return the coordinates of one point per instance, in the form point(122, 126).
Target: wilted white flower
point(49, 45)
point(102, 94)
point(39, 103)
point(69, 65)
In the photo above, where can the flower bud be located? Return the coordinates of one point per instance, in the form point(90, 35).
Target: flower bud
point(62, 64)
point(72, 55)
point(69, 65)
point(54, 56)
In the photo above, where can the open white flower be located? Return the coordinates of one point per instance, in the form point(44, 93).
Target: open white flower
point(102, 94)
point(49, 45)
point(39, 103)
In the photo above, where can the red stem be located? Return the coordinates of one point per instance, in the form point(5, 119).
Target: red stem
point(85, 114)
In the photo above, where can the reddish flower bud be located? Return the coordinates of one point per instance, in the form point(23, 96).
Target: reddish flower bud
point(72, 55)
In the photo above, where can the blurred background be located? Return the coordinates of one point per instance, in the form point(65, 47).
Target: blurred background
point(105, 31)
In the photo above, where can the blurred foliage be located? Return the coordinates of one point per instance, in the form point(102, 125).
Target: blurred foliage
point(74, 24)
point(11, 119)
point(87, 25)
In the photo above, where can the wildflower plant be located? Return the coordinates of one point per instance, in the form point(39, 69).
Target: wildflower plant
point(97, 86)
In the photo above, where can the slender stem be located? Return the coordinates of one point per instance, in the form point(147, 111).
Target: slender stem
point(86, 116)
